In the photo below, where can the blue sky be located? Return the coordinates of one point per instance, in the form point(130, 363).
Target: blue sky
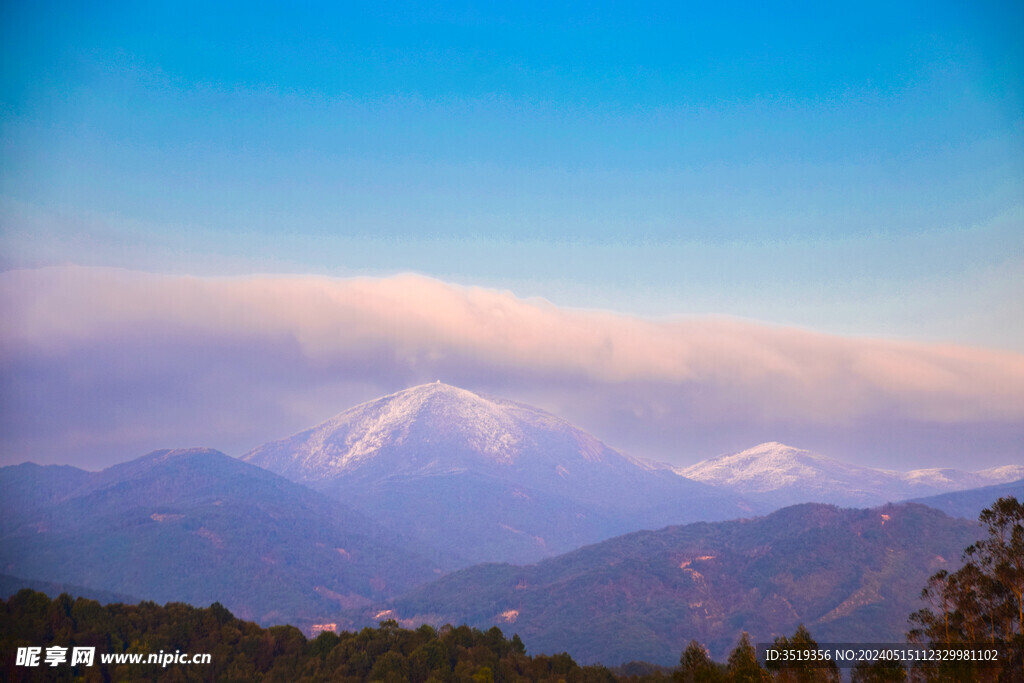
point(851, 173)
point(852, 168)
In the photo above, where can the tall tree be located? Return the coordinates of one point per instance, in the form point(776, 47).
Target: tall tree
point(806, 669)
point(695, 666)
point(743, 665)
point(983, 601)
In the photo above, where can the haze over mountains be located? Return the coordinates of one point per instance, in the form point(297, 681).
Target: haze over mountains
point(780, 475)
point(198, 526)
point(485, 478)
point(969, 504)
point(848, 575)
point(358, 515)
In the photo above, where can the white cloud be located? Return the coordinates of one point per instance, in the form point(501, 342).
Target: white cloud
point(109, 359)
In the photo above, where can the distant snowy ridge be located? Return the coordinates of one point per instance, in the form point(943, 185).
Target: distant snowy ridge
point(507, 482)
point(789, 475)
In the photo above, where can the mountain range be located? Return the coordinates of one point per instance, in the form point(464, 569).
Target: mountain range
point(969, 504)
point(483, 479)
point(486, 479)
point(776, 474)
point(359, 519)
point(198, 526)
point(848, 575)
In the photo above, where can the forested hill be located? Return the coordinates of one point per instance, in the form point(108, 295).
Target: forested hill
point(848, 575)
point(236, 650)
point(243, 651)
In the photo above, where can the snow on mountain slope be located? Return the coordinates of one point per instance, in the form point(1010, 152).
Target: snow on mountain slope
point(484, 478)
point(436, 429)
point(787, 475)
point(1001, 475)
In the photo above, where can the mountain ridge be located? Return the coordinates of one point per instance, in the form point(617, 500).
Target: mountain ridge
point(847, 574)
point(488, 427)
point(528, 479)
point(198, 526)
point(969, 503)
point(782, 474)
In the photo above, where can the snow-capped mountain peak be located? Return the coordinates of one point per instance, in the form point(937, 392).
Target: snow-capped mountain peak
point(486, 427)
point(766, 467)
point(426, 428)
point(504, 480)
point(791, 475)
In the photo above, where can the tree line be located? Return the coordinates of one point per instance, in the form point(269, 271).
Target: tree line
point(981, 603)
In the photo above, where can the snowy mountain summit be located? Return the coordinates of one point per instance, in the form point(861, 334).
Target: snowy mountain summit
point(484, 478)
point(773, 466)
point(432, 429)
point(787, 475)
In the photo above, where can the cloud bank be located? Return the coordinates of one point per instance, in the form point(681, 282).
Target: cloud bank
point(100, 365)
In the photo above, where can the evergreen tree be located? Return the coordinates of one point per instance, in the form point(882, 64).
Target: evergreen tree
point(695, 666)
point(983, 601)
point(802, 670)
point(743, 666)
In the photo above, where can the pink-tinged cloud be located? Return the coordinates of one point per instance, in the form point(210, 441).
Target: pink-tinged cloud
point(100, 364)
